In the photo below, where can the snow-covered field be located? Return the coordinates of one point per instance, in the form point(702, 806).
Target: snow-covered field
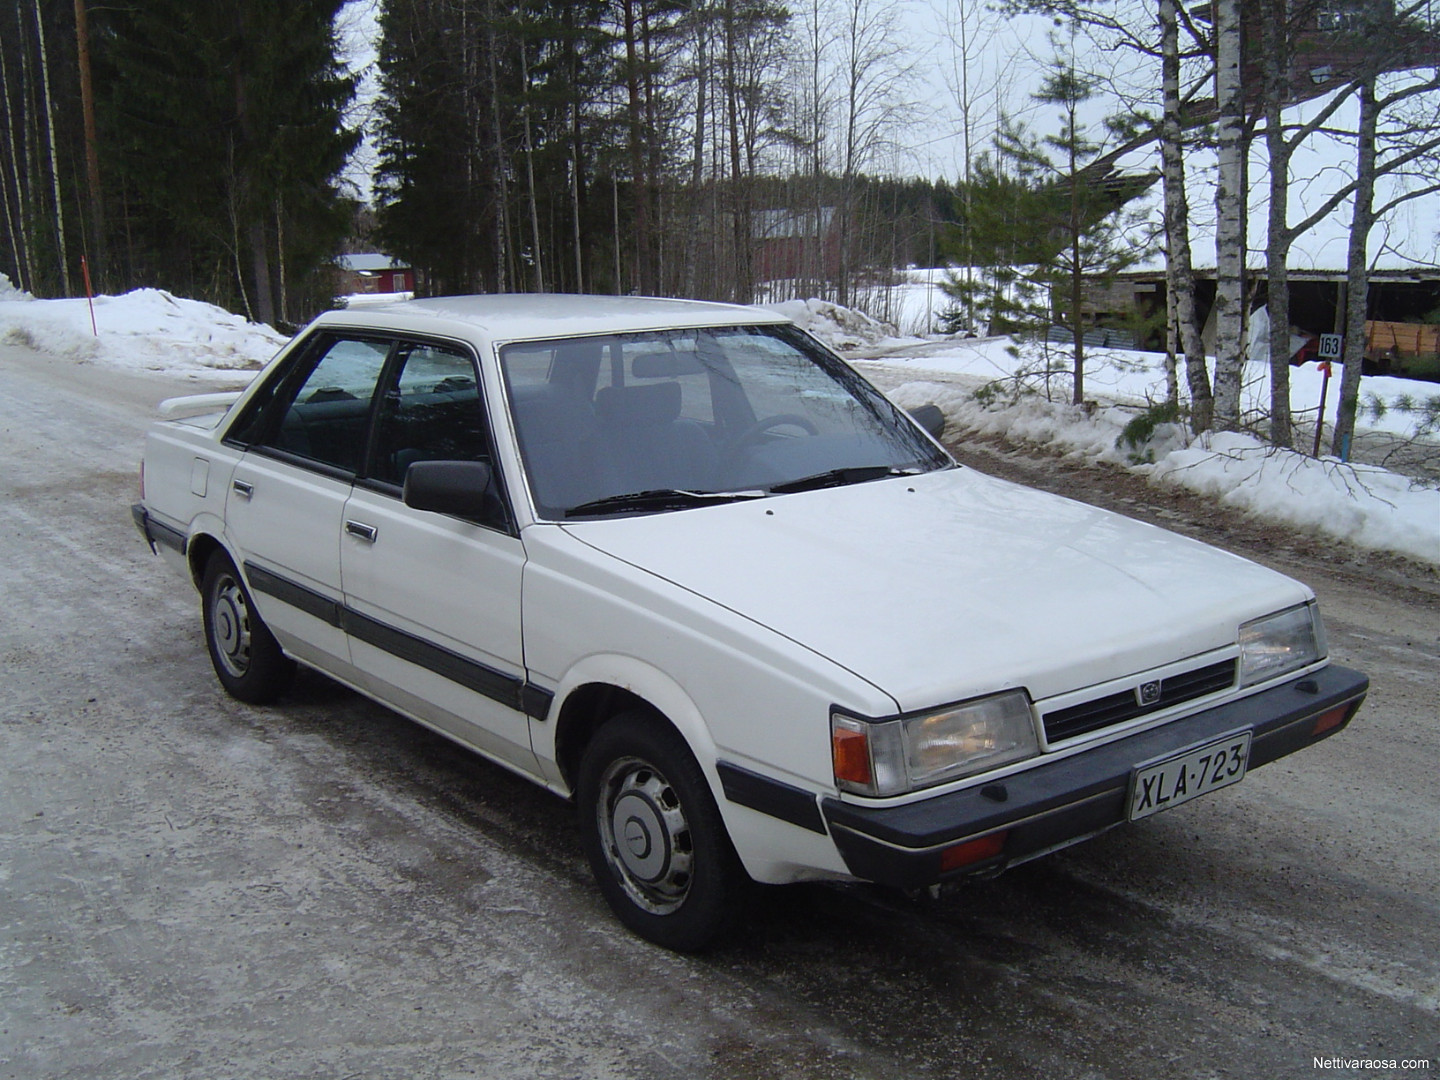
point(151, 330)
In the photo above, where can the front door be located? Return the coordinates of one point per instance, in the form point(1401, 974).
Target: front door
point(433, 601)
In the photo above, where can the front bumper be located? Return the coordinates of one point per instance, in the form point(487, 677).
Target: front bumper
point(1058, 803)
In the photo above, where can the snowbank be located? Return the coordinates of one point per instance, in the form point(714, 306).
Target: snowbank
point(1366, 506)
point(840, 327)
point(1360, 504)
point(145, 330)
point(1123, 375)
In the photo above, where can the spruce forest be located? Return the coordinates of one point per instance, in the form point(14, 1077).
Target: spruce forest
point(588, 146)
point(738, 150)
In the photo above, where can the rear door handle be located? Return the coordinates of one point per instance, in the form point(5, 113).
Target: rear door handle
point(241, 488)
point(361, 531)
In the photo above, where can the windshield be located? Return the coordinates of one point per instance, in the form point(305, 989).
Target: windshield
point(735, 409)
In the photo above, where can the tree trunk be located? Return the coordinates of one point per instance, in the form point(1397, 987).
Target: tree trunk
point(1357, 274)
point(62, 250)
point(280, 260)
point(1179, 271)
point(501, 239)
point(742, 288)
point(638, 179)
point(260, 268)
point(24, 268)
point(92, 151)
point(1077, 265)
point(539, 280)
point(697, 147)
point(1277, 245)
point(1230, 201)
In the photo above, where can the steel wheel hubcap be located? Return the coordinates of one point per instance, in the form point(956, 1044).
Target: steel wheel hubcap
point(646, 836)
point(230, 626)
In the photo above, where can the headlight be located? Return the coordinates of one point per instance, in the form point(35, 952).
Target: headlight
point(1279, 644)
point(895, 756)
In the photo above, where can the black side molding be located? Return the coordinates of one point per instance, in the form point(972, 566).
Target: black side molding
point(772, 797)
point(297, 596)
point(499, 686)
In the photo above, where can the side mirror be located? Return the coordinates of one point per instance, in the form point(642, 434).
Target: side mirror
point(458, 488)
point(931, 418)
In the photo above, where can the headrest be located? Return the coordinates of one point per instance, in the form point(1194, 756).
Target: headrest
point(647, 404)
point(666, 365)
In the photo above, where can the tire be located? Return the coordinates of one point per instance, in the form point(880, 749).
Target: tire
point(247, 658)
point(654, 837)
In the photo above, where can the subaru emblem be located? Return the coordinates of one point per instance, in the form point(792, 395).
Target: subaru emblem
point(1148, 693)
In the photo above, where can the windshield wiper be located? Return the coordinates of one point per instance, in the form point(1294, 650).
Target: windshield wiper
point(658, 499)
point(852, 474)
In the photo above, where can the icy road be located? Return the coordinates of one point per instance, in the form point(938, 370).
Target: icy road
point(190, 887)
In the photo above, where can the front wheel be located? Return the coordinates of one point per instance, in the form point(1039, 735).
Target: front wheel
point(247, 658)
point(654, 837)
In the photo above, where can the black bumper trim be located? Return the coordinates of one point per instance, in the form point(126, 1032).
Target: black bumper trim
point(1060, 802)
point(156, 532)
point(772, 797)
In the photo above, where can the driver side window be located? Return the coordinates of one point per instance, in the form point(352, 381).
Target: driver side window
point(431, 411)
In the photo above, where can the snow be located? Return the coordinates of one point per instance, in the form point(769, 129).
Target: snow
point(1361, 504)
point(152, 331)
point(144, 330)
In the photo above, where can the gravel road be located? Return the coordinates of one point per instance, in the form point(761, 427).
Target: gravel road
point(190, 887)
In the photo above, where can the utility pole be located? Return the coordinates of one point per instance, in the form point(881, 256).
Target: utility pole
point(92, 146)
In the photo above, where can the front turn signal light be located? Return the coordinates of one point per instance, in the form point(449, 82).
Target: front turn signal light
point(850, 747)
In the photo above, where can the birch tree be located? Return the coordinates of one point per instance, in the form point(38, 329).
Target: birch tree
point(1179, 270)
point(1230, 204)
point(1409, 143)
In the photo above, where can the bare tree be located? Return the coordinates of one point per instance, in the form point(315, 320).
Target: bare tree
point(978, 86)
point(875, 74)
point(1179, 270)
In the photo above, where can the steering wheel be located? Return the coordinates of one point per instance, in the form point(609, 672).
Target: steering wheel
point(760, 427)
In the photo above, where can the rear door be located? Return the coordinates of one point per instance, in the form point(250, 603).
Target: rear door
point(303, 444)
point(433, 601)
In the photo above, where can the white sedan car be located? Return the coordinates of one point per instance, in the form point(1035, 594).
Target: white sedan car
point(679, 563)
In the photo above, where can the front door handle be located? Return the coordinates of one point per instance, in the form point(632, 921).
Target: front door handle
point(361, 531)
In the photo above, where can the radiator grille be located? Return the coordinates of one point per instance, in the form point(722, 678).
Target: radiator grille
point(1117, 708)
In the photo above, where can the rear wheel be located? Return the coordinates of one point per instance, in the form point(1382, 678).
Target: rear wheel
point(654, 837)
point(246, 656)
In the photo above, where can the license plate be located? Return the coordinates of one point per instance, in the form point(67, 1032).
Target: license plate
point(1189, 775)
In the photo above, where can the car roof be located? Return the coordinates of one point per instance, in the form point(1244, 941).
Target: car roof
point(509, 317)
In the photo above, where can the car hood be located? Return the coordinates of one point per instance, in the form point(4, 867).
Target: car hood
point(952, 584)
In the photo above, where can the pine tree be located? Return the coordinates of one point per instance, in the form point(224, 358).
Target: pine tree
point(1045, 233)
